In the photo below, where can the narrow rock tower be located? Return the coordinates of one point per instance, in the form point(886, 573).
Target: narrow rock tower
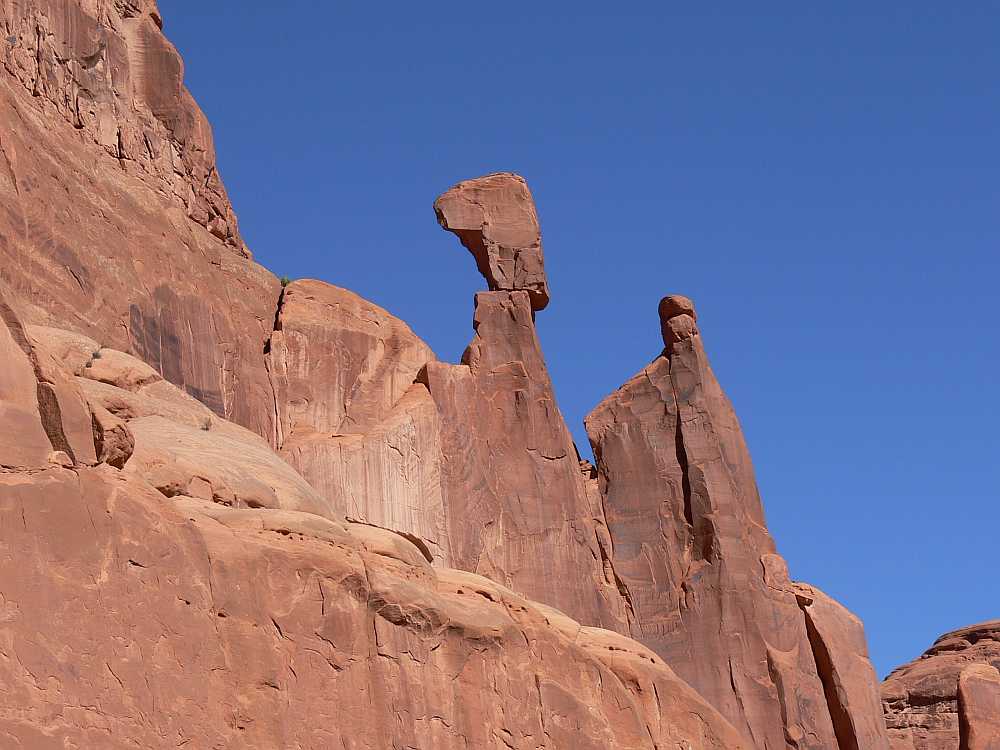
point(711, 595)
point(517, 503)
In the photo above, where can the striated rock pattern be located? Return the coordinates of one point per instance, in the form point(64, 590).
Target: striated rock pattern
point(495, 218)
point(350, 417)
point(948, 698)
point(114, 222)
point(709, 592)
point(106, 69)
point(518, 506)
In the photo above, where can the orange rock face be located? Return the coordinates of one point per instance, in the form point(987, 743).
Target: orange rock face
point(709, 592)
point(351, 418)
point(143, 614)
point(948, 698)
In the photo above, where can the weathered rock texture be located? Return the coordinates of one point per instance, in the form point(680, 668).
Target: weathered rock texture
point(709, 592)
point(495, 218)
point(114, 222)
point(949, 698)
point(351, 418)
point(517, 503)
point(134, 619)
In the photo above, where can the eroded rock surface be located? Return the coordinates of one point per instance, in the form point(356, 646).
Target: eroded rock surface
point(350, 417)
point(947, 699)
point(710, 594)
point(182, 621)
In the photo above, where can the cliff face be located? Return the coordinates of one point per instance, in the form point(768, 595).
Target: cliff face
point(236, 514)
point(115, 223)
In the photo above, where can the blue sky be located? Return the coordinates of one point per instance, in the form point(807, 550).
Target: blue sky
point(822, 181)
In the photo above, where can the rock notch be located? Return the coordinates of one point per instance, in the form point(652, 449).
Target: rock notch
point(495, 218)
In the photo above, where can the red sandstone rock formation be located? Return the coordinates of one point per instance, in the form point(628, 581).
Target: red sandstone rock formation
point(141, 615)
point(517, 504)
point(167, 579)
point(948, 698)
point(709, 592)
point(115, 223)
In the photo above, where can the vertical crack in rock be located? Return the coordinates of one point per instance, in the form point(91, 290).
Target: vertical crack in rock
point(277, 436)
point(48, 401)
point(843, 726)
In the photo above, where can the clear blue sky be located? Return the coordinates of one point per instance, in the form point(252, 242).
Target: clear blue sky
point(822, 181)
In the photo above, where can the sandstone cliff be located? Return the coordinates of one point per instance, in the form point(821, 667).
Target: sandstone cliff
point(183, 587)
point(236, 514)
point(114, 220)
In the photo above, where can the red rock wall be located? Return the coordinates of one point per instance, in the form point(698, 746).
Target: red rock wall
point(114, 221)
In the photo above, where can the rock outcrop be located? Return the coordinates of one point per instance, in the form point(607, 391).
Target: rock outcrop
point(948, 698)
point(115, 223)
point(517, 504)
point(710, 593)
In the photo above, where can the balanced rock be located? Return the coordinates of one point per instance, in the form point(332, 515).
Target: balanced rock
point(495, 218)
point(518, 506)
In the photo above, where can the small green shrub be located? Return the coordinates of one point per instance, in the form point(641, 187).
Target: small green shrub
point(285, 281)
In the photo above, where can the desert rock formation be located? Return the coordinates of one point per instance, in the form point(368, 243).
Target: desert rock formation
point(709, 591)
point(187, 615)
point(518, 506)
point(240, 514)
point(114, 219)
point(351, 417)
point(495, 218)
point(949, 697)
